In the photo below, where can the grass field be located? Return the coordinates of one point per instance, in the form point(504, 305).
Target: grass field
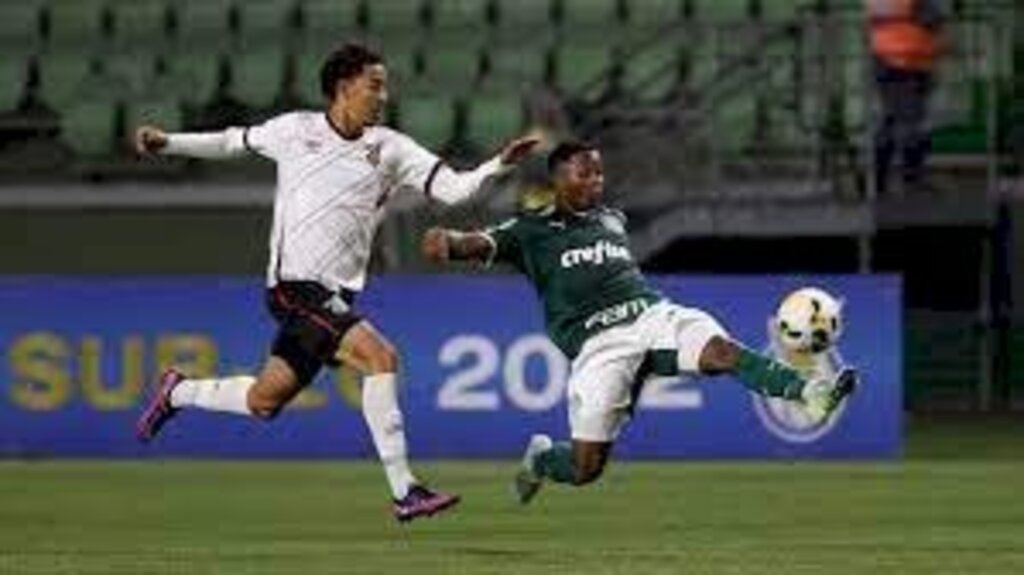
point(936, 512)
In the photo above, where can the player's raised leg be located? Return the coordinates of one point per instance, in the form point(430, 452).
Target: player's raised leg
point(368, 350)
point(767, 376)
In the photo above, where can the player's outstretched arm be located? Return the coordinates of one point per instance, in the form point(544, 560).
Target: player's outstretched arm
point(451, 187)
point(151, 141)
point(442, 245)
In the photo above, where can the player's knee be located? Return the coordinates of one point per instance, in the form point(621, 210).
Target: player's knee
point(383, 358)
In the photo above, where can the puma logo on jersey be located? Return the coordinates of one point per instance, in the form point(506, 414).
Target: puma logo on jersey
point(596, 254)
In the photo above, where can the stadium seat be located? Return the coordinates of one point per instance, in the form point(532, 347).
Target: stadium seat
point(734, 124)
point(330, 19)
point(87, 127)
point(390, 17)
point(452, 68)
point(514, 66)
point(13, 77)
point(429, 119)
point(581, 70)
point(20, 26)
point(257, 76)
point(493, 119)
point(202, 23)
point(163, 112)
point(459, 15)
point(138, 23)
point(589, 16)
point(265, 21)
point(727, 11)
point(76, 22)
point(778, 10)
point(62, 76)
point(134, 72)
point(650, 75)
point(524, 19)
point(194, 77)
point(648, 15)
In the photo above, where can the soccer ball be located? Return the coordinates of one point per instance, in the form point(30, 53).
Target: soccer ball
point(808, 321)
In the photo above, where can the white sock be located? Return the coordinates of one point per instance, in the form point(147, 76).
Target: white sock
point(380, 408)
point(218, 394)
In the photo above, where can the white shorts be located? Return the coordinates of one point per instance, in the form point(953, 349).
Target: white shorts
point(603, 374)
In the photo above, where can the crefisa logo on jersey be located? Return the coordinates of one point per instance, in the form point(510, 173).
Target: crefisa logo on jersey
point(786, 419)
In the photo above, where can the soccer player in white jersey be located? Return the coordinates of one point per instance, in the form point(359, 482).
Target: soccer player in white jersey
point(335, 171)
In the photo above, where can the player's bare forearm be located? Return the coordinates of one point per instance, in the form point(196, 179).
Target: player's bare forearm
point(443, 245)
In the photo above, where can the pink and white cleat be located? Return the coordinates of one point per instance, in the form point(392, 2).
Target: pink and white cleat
point(159, 411)
point(422, 502)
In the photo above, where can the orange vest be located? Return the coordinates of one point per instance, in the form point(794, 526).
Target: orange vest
point(898, 39)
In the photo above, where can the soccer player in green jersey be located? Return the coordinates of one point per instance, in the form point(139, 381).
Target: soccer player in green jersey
point(615, 328)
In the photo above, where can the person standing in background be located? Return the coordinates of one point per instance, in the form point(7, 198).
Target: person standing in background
point(905, 44)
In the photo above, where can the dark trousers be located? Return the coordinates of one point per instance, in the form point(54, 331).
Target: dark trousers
point(903, 97)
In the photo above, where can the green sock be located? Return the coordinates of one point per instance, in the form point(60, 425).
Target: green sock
point(556, 463)
point(768, 377)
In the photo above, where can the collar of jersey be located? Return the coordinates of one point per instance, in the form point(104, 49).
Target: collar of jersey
point(337, 130)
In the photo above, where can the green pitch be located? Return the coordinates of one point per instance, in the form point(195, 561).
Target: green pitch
point(935, 515)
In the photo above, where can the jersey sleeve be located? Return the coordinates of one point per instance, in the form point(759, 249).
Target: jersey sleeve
point(269, 139)
point(414, 166)
point(506, 242)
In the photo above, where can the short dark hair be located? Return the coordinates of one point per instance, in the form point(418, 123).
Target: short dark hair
point(345, 63)
point(565, 151)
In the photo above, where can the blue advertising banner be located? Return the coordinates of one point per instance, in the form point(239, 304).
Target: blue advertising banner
point(479, 375)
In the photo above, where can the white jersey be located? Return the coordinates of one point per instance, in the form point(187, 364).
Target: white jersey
point(332, 190)
point(331, 193)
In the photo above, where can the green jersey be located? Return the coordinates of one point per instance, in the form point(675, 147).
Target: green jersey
point(582, 270)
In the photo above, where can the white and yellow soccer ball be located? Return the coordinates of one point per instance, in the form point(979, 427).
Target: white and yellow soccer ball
point(808, 321)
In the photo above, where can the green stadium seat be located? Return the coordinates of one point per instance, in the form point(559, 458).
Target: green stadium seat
point(459, 14)
point(494, 119)
point(202, 23)
point(333, 19)
point(193, 77)
point(524, 19)
point(163, 112)
point(139, 23)
point(779, 10)
point(76, 22)
point(451, 68)
point(20, 26)
point(651, 74)
point(62, 76)
point(305, 86)
point(589, 16)
point(516, 66)
point(581, 70)
point(389, 17)
point(429, 119)
point(735, 123)
point(735, 11)
point(87, 127)
point(257, 76)
point(265, 21)
point(649, 15)
point(13, 78)
point(133, 72)
point(456, 21)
